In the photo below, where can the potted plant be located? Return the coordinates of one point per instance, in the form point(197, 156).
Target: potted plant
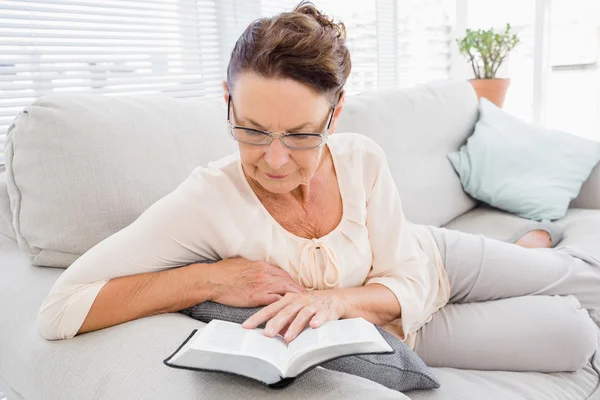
point(486, 50)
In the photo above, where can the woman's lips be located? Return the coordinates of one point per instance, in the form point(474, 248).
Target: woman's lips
point(275, 176)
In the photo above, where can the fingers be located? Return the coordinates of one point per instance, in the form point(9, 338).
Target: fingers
point(294, 287)
point(283, 318)
point(321, 317)
point(291, 284)
point(284, 330)
point(267, 313)
point(282, 287)
point(290, 315)
point(278, 285)
point(299, 323)
point(269, 299)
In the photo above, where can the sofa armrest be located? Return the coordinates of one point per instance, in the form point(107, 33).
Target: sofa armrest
point(589, 197)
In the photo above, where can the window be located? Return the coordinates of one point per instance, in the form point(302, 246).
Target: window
point(181, 47)
point(573, 103)
point(564, 92)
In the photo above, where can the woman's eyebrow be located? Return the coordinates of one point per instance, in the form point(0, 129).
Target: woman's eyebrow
point(250, 120)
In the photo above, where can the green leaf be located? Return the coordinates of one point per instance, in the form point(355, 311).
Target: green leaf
point(486, 50)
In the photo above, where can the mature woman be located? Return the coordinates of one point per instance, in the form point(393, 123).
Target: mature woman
point(310, 223)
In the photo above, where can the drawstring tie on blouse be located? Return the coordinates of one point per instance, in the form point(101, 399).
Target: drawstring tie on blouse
point(309, 273)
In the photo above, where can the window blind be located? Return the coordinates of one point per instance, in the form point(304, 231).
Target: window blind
point(424, 40)
point(393, 42)
point(109, 47)
point(181, 47)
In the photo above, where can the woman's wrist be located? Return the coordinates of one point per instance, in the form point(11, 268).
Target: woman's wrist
point(349, 304)
point(374, 302)
point(198, 276)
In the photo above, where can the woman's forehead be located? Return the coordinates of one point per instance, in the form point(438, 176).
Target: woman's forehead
point(267, 100)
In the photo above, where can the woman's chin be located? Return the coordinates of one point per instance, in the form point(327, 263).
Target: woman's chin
point(277, 186)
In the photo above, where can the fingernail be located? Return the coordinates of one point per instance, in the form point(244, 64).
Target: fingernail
point(288, 336)
point(269, 331)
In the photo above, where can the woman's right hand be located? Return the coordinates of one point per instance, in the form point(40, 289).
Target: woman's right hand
point(239, 282)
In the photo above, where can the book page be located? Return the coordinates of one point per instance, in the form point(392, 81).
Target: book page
point(334, 339)
point(330, 334)
point(221, 347)
point(222, 337)
point(274, 350)
point(231, 338)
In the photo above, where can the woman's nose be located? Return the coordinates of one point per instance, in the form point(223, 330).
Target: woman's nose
point(276, 154)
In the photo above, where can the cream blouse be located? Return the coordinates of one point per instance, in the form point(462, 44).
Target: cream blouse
point(214, 214)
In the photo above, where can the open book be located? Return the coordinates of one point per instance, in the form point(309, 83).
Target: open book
point(227, 347)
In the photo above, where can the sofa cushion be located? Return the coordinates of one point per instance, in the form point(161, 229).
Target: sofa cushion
point(582, 227)
point(523, 168)
point(589, 197)
point(81, 167)
point(125, 361)
point(417, 128)
point(6, 228)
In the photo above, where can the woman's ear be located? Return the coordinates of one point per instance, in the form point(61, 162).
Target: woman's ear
point(337, 112)
point(225, 92)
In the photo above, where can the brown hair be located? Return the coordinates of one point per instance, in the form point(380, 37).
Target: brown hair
point(304, 45)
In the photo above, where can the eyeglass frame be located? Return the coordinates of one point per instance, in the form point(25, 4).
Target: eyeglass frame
point(276, 135)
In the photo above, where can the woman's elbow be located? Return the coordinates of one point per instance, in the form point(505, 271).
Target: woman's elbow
point(49, 323)
point(65, 309)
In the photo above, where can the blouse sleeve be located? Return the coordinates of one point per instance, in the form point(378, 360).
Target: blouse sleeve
point(399, 263)
point(172, 232)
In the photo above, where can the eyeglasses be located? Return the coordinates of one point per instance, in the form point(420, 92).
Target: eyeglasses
point(256, 137)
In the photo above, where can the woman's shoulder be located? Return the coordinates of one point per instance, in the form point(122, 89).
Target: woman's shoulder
point(214, 182)
point(359, 161)
point(356, 148)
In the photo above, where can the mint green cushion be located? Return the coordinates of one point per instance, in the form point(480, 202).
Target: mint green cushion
point(522, 168)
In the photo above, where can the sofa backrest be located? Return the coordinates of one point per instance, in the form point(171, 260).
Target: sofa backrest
point(418, 127)
point(81, 167)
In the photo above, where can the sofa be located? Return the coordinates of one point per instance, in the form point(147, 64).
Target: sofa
point(79, 167)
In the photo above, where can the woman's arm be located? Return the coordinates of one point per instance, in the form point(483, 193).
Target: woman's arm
point(138, 271)
point(172, 232)
point(132, 297)
point(375, 303)
point(399, 263)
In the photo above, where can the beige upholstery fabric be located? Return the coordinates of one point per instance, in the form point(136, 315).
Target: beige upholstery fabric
point(115, 156)
point(6, 228)
point(81, 167)
point(125, 361)
point(582, 227)
point(589, 196)
point(417, 128)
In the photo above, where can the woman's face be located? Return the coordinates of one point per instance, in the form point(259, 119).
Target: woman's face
point(283, 106)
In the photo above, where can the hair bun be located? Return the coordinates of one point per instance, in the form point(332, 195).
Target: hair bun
point(308, 8)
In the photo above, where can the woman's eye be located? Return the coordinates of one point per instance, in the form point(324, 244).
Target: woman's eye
point(297, 136)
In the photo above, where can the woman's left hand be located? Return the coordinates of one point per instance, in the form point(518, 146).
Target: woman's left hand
point(296, 311)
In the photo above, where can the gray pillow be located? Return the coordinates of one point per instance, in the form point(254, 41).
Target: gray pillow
point(402, 370)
